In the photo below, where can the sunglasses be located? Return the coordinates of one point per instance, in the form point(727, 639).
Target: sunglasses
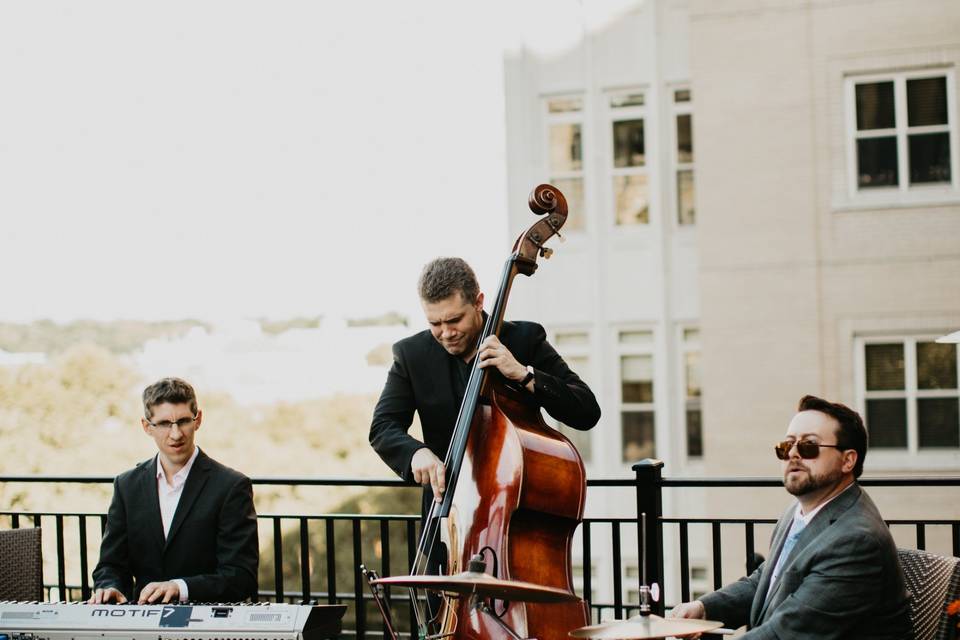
point(807, 450)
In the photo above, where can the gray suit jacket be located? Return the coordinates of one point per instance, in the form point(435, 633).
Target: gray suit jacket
point(842, 580)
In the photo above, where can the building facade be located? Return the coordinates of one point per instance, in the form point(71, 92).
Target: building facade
point(765, 203)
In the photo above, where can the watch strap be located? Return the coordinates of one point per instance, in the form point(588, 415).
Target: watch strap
point(527, 378)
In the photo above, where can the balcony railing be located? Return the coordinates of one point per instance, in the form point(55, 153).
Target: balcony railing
point(304, 571)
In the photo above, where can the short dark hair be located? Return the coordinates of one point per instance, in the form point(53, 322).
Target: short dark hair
point(172, 390)
point(851, 433)
point(443, 277)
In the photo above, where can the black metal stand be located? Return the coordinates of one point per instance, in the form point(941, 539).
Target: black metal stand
point(378, 597)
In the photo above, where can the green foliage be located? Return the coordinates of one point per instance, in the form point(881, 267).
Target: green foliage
point(389, 319)
point(79, 413)
point(276, 327)
point(120, 336)
point(51, 408)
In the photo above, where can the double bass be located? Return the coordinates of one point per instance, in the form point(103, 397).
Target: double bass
point(515, 487)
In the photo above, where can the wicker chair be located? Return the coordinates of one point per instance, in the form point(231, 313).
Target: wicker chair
point(21, 566)
point(933, 582)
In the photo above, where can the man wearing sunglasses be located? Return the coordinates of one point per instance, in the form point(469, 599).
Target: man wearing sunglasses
point(181, 526)
point(833, 570)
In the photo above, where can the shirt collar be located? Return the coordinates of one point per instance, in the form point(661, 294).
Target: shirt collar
point(809, 516)
point(180, 476)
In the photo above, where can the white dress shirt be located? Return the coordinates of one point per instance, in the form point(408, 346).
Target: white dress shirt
point(169, 495)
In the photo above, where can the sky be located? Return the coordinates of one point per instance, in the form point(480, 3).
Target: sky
point(217, 159)
point(222, 159)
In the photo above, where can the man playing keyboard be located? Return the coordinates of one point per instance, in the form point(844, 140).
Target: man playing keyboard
point(181, 526)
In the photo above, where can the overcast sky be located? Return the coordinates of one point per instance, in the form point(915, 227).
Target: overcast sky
point(240, 159)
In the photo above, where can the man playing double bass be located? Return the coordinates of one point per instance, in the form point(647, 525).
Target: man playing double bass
point(431, 368)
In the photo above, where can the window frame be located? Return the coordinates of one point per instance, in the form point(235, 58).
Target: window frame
point(568, 117)
point(587, 351)
point(636, 349)
point(680, 109)
point(687, 346)
point(612, 115)
point(911, 457)
point(904, 193)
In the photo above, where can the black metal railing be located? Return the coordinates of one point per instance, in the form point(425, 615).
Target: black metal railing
point(314, 557)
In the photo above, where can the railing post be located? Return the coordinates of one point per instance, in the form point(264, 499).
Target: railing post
point(650, 502)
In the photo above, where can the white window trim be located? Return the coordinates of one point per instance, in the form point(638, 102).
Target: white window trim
point(680, 109)
point(589, 352)
point(570, 117)
point(685, 347)
point(903, 194)
point(911, 458)
point(650, 152)
point(640, 349)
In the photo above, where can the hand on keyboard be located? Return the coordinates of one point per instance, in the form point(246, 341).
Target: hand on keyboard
point(155, 592)
point(106, 596)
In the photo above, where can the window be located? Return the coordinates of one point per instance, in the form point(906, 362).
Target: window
point(579, 576)
point(637, 415)
point(693, 416)
point(903, 134)
point(628, 174)
point(683, 156)
point(699, 580)
point(574, 346)
point(630, 578)
point(565, 155)
point(911, 400)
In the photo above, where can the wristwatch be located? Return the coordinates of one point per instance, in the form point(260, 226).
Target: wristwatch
point(527, 378)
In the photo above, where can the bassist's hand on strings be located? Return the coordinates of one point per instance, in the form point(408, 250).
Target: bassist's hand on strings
point(493, 353)
point(428, 469)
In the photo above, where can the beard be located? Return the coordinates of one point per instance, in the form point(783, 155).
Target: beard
point(808, 482)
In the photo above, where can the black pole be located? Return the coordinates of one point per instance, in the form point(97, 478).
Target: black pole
point(650, 502)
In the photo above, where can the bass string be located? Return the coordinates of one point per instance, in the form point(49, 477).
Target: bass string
point(429, 536)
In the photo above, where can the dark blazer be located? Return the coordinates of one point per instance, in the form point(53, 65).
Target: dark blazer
point(420, 381)
point(212, 544)
point(842, 580)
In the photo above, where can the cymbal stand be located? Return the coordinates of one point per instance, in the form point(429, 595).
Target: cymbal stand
point(479, 565)
point(648, 593)
point(483, 607)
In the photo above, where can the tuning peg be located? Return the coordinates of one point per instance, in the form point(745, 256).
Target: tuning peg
point(655, 592)
point(546, 252)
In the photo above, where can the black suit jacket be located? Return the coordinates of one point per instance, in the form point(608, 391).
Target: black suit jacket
point(420, 381)
point(212, 544)
point(842, 581)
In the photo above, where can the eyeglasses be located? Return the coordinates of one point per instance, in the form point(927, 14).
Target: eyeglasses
point(807, 450)
point(165, 425)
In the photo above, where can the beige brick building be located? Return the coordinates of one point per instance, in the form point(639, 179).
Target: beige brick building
point(766, 204)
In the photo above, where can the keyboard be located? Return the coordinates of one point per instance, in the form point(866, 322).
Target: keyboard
point(78, 621)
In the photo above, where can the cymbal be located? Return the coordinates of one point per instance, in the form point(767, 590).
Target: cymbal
point(482, 584)
point(651, 626)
